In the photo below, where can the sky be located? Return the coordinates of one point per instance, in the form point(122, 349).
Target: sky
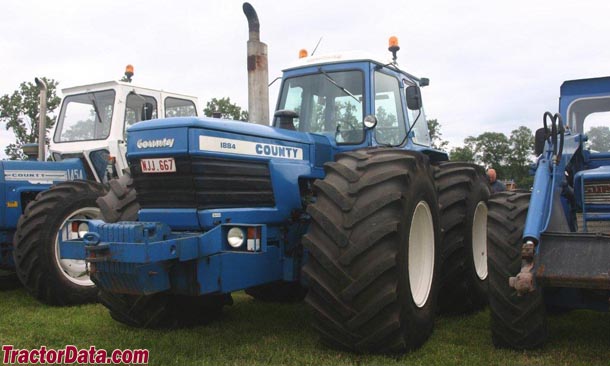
point(492, 65)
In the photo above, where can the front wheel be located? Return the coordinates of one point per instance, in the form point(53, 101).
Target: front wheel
point(517, 322)
point(8, 280)
point(283, 292)
point(164, 310)
point(38, 263)
point(373, 256)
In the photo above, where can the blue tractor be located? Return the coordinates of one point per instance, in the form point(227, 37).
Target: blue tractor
point(549, 249)
point(88, 150)
point(343, 195)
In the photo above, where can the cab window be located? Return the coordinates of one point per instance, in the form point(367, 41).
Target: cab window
point(139, 108)
point(326, 103)
point(177, 107)
point(86, 116)
point(388, 110)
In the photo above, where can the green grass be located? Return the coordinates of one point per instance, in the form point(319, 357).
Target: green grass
point(253, 333)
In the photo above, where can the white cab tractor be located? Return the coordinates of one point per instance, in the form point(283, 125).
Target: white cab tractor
point(88, 148)
point(94, 118)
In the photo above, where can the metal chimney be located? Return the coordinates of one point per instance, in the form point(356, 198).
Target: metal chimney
point(258, 71)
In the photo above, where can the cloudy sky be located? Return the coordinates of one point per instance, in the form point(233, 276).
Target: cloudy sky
point(493, 65)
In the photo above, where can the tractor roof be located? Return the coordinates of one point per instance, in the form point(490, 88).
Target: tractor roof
point(336, 58)
point(583, 87)
point(112, 85)
point(345, 57)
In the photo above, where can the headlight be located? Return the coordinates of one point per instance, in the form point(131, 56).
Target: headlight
point(236, 237)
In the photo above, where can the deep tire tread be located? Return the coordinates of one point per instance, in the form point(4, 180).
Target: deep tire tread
point(353, 270)
point(461, 186)
point(34, 242)
point(517, 322)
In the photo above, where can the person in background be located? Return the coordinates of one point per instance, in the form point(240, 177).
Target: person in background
point(496, 185)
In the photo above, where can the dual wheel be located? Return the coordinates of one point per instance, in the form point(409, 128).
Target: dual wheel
point(376, 249)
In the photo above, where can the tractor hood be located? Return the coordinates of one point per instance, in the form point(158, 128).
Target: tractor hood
point(205, 169)
point(196, 136)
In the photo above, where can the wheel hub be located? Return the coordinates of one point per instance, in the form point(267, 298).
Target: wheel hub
point(76, 271)
point(421, 254)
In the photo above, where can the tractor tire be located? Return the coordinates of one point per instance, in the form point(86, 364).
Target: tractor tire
point(373, 259)
point(120, 204)
point(36, 249)
point(8, 280)
point(284, 292)
point(463, 193)
point(164, 310)
point(517, 322)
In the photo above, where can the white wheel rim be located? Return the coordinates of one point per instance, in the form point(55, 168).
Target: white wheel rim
point(421, 254)
point(479, 240)
point(76, 271)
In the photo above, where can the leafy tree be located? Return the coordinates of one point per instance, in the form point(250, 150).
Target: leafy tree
point(521, 143)
point(436, 137)
point(20, 111)
point(464, 153)
point(227, 109)
point(492, 149)
point(599, 138)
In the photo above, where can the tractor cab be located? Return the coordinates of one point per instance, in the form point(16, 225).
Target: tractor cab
point(94, 118)
point(353, 99)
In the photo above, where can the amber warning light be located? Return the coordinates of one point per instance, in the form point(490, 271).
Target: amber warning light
point(393, 47)
point(302, 53)
point(129, 72)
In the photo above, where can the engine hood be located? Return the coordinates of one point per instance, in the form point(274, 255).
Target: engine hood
point(221, 125)
point(208, 136)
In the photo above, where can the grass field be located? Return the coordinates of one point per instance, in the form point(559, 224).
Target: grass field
point(254, 333)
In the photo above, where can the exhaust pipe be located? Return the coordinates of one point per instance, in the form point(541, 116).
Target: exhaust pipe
point(42, 119)
point(258, 71)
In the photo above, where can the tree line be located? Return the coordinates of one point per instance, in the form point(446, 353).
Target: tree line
point(510, 156)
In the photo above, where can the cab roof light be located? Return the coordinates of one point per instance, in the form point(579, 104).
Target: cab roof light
point(393, 47)
point(129, 72)
point(302, 53)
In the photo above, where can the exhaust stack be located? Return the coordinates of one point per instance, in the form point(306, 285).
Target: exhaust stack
point(42, 120)
point(258, 71)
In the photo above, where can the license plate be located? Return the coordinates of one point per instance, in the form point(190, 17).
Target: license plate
point(158, 165)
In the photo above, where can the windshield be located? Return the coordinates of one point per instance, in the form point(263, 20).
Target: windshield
point(328, 103)
point(85, 117)
point(592, 117)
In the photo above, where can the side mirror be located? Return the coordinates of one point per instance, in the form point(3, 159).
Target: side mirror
point(413, 94)
point(539, 140)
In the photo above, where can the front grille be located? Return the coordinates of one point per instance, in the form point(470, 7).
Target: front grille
point(205, 183)
point(597, 192)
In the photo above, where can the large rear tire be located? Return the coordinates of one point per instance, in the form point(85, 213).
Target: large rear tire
point(373, 260)
point(44, 274)
point(517, 322)
point(463, 193)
